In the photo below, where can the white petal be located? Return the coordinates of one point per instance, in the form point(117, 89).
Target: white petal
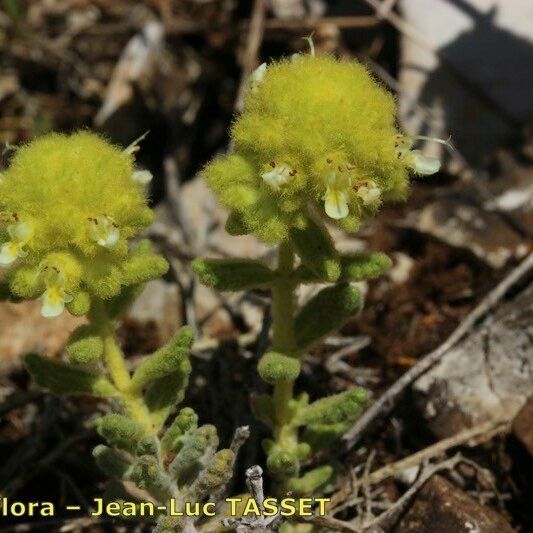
point(20, 232)
point(422, 164)
point(257, 76)
point(9, 253)
point(277, 176)
point(336, 203)
point(142, 176)
point(370, 195)
point(53, 303)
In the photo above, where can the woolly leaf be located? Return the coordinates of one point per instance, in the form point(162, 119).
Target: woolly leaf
point(198, 448)
point(316, 250)
point(113, 463)
point(233, 274)
point(326, 312)
point(320, 436)
point(165, 361)
point(186, 421)
point(80, 304)
point(343, 407)
point(311, 481)
point(274, 367)
point(163, 394)
point(142, 268)
point(62, 378)
point(26, 282)
point(354, 267)
point(85, 345)
point(119, 431)
point(216, 475)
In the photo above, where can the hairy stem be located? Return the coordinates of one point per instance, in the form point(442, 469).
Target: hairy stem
point(117, 369)
point(283, 341)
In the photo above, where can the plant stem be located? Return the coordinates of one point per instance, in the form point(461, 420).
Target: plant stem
point(283, 341)
point(117, 369)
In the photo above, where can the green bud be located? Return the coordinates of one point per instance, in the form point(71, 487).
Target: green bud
point(111, 462)
point(164, 361)
point(186, 420)
point(343, 407)
point(311, 481)
point(142, 268)
point(274, 367)
point(316, 250)
point(303, 451)
point(358, 267)
point(283, 463)
point(119, 431)
point(235, 224)
point(61, 378)
point(80, 304)
point(146, 446)
point(84, 345)
point(233, 274)
point(27, 282)
point(326, 312)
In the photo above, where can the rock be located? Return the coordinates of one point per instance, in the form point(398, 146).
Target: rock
point(24, 330)
point(459, 222)
point(447, 80)
point(523, 426)
point(440, 507)
point(488, 376)
point(158, 307)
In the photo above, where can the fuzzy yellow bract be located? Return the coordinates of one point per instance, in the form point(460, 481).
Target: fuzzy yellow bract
point(316, 133)
point(68, 205)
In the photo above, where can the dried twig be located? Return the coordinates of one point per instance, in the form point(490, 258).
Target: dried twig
point(479, 433)
point(253, 44)
point(388, 400)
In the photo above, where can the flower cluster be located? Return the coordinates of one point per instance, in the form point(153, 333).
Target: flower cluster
point(68, 205)
point(316, 134)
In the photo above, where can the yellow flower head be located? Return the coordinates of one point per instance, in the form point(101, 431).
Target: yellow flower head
point(316, 133)
point(69, 205)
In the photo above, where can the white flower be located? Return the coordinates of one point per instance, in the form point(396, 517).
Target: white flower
point(256, 77)
point(369, 193)
point(53, 301)
point(414, 159)
point(104, 231)
point(20, 234)
point(279, 175)
point(337, 195)
point(142, 176)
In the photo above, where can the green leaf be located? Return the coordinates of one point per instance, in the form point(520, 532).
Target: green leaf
point(311, 481)
point(326, 312)
point(165, 361)
point(354, 267)
point(142, 268)
point(113, 463)
point(84, 345)
point(62, 378)
point(218, 472)
point(320, 436)
point(317, 250)
point(339, 408)
point(118, 305)
point(358, 267)
point(186, 421)
point(119, 431)
point(233, 274)
point(163, 394)
point(235, 225)
point(80, 304)
point(274, 367)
